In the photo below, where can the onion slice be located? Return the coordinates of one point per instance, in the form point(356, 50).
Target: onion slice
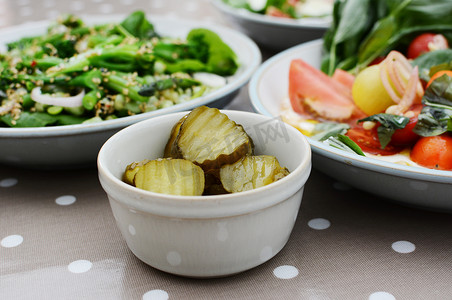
point(396, 72)
point(71, 101)
point(408, 97)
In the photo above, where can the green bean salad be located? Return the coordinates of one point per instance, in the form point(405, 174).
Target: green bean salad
point(77, 73)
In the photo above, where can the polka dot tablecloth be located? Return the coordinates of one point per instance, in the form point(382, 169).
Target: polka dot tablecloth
point(59, 240)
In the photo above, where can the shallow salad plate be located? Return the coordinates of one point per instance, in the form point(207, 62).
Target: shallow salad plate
point(274, 33)
point(409, 185)
point(75, 146)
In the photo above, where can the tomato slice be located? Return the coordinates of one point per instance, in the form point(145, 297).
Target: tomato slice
point(313, 93)
point(368, 141)
point(434, 152)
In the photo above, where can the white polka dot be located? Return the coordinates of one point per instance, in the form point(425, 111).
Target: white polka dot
point(222, 234)
point(173, 258)
point(106, 8)
point(342, 186)
point(285, 272)
point(8, 182)
point(403, 247)
point(80, 266)
point(155, 295)
point(266, 253)
point(381, 296)
point(132, 230)
point(65, 200)
point(319, 223)
point(12, 241)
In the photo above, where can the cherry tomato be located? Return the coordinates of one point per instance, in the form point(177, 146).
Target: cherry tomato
point(406, 136)
point(434, 152)
point(439, 74)
point(426, 42)
point(368, 141)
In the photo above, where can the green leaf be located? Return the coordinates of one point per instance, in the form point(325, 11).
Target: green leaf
point(388, 125)
point(431, 62)
point(137, 25)
point(435, 117)
point(28, 119)
point(345, 143)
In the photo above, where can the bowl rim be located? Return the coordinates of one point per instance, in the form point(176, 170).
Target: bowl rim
point(312, 22)
point(369, 163)
point(205, 206)
point(237, 82)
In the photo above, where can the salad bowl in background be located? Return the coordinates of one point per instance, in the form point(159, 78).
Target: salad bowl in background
point(274, 33)
point(409, 185)
point(75, 146)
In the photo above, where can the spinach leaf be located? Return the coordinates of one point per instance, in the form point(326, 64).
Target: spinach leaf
point(388, 125)
point(391, 25)
point(431, 62)
point(29, 119)
point(138, 26)
point(221, 59)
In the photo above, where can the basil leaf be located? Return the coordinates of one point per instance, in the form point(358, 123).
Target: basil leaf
point(389, 124)
point(345, 143)
point(435, 118)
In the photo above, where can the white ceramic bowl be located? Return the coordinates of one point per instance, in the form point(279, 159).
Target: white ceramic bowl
point(274, 33)
point(73, 146)
point(205, 236)
point(409, 185)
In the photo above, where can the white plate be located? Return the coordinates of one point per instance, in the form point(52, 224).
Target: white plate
point(273, 32)
point(77, 145)
point(414, 186)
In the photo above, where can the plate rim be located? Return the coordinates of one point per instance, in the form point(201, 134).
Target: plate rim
point(271, 20)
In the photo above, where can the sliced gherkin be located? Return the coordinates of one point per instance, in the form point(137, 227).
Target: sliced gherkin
point(213, 185)
point(132, 169)
point(170, 148)
point(251, 172)
point(210, 139)
point(171, 176)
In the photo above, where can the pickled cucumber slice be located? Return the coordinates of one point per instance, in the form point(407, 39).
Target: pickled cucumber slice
point(251, 172)
point(170, 148)
point(213, 185)
point(171, 176)
point(132, 169)
point(210, 139)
